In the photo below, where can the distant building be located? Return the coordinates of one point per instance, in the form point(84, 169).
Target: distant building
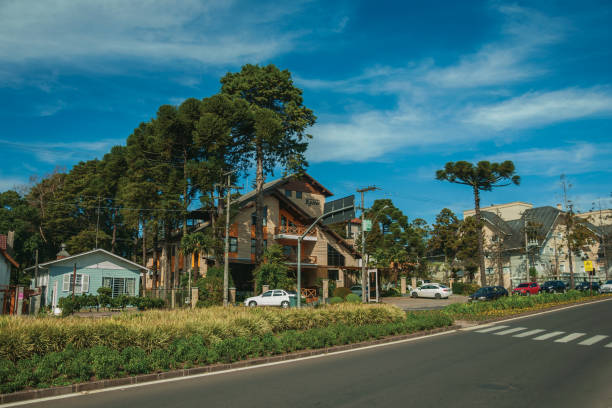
point(518, 236)
point(94, 269)
point(7, 263)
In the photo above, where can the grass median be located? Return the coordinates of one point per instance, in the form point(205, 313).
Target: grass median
point(514, 305)
point(45, 352)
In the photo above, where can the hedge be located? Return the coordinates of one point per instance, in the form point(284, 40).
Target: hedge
point(72, 365)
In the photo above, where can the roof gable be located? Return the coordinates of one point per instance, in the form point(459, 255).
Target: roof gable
point(97, 258)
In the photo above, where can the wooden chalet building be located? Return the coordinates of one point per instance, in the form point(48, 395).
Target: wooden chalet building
point(292, 204)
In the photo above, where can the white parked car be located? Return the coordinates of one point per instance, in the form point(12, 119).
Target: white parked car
point(606, 287)
point(276, 297)
point(432, 290)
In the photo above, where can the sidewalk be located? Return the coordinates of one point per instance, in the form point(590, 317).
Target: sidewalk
point(408, 303)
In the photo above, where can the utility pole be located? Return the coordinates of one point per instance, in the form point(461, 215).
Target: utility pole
point(228, 187)
point(603, 239)
point(364, 294)
point(98, 222)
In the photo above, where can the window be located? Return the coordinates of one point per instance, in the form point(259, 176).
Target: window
point(332, 274)
point(562, 268)
point(264, 220)
point(288, 250)
point(489, 271)
point(278, 293)
point(506, 270)
point(253, 241)
point(82, 283)
point(334, 258)
point(288, 193)
point(298, 194)
point(233, 244)
point(267, 294)
point(120, 286)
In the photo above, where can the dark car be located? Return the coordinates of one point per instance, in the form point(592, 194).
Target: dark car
point(488, 293)
point(584, 286)
point(556, 286)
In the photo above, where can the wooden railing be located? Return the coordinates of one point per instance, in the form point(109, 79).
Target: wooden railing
point(293, 230)
point(309, 294)
point(305, 259)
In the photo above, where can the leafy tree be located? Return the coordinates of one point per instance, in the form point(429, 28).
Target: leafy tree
point(18, 216)
point(483, 177)
point(279, 120)
point(273, 271)
point(467, 245)
point(394, 242)
point(444, 233)
point(577, 235)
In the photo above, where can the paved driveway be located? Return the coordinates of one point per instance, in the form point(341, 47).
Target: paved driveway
point(408, 303)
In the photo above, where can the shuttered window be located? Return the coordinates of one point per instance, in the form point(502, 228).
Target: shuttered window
point(82, 283)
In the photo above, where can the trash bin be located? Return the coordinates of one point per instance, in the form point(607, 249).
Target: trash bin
point(292, 301)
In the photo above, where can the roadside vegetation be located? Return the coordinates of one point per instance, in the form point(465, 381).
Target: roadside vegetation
point(513, 305)
point(44, 352)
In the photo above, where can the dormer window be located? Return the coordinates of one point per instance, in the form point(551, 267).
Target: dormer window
point(288, 193)
point(298, 194)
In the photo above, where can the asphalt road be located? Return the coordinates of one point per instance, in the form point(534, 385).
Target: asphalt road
point(520, 364)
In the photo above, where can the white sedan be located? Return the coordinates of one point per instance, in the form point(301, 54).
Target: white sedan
point(606, 287)
point(274, 297)
point(432, 290)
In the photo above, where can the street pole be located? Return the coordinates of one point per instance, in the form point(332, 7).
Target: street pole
point(228, 187)
point(603, 240)
point(364, 294)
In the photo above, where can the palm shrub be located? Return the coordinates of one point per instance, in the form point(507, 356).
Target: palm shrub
point(352, 298)
point(273, 271)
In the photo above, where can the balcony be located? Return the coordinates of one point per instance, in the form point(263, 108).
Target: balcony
point(306, 260)
point(293, 232)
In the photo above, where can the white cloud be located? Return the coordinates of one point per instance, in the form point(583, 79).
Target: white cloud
point(63, 152)
point(573, 159)
point(141, 30)
point(537, 108)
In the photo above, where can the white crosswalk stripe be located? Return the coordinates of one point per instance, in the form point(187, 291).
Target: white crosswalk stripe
point(592, 340)
point(509, 331)
point(609, 345)
point(570, 337)
point(529, 333)
point(549, 335)
point(490, 329)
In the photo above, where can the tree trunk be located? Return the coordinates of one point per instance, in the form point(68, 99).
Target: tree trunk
point(154, 282)
point(500, 264)
point(177, 279)
point(144, 243)
point(259, 205)
point(481, 258)
point(114, 241)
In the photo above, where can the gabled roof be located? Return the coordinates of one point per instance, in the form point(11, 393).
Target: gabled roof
point(274, 184)
point(99, 250)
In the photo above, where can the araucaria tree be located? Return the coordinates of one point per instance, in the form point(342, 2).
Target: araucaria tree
point(277, 136)
point(485, 176)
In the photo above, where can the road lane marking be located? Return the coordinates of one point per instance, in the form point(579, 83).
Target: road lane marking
point(549, 335)
point(509, 331)
point(529, 333)
point(592, 340)
point(608, 345)
point(490, 329)
point(569, 337)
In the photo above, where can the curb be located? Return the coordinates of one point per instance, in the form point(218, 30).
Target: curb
point(146, 378)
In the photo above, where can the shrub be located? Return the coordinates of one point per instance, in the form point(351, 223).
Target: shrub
point(461, 288)
point(106, 362)
point(341, 292)
point(136, 361)
point(68, 305)
point(352, 298)
point(334, 300)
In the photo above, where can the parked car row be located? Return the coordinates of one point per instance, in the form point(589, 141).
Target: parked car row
point(488, 293)
point(432, 290)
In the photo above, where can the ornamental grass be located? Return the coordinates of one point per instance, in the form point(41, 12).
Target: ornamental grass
point(23, 337)
point(513, 305)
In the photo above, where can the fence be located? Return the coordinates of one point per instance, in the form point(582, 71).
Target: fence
point(175, 298)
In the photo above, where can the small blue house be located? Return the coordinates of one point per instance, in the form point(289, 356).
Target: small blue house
point(94, 269)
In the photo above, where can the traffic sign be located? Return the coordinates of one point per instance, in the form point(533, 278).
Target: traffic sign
point(588, 266)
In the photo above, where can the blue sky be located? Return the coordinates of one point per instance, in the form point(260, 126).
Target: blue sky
point(399, 88)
